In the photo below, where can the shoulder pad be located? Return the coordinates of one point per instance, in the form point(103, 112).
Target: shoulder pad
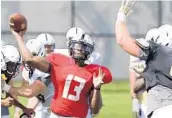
point(142, 43)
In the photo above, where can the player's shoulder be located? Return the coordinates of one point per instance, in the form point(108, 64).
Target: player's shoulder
point(59, 59)
point(94, 68)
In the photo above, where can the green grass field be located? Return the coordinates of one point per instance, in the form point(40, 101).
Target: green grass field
point(116, 101)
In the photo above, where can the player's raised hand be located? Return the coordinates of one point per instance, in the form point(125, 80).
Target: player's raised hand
point(125, 9)
point(98, 80)
point(18, 35)
point(127, 6)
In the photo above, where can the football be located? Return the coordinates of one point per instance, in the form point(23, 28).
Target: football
point(17, 22)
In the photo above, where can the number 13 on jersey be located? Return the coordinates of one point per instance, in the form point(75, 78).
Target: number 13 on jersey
point(77, 89)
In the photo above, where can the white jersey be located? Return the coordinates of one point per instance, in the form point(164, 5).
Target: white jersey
point(48, 93)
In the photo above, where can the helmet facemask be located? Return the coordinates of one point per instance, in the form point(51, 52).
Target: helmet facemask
point(49, 48)
point(80, 51)
point(12, 59)
point(12, 69)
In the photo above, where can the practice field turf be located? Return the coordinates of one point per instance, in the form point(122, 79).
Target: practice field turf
point(116, 101)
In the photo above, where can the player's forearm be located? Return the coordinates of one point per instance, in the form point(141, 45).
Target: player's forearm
point(33, 61)
point(96, 102)
point(17, 103)
point(26, 54)
point(139, 85)
point(29, 91)
point(125, 40)
point(24, 92)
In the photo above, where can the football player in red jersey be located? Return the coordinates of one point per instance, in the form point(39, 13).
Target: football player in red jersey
point(73, 80)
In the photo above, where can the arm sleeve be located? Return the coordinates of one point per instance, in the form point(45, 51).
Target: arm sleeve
point(108, 77)
point(146, 47)
point(58, 59)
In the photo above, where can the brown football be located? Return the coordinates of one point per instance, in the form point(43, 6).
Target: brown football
point(17, 22)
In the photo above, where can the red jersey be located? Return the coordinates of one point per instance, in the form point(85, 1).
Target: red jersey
point(72, 85)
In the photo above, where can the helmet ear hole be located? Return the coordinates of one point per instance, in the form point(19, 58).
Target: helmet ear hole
point(167, 44)
point(152, 39)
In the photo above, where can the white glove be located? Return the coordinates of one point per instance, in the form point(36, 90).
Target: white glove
point(125, 9)
point(97, 81)
point(138, 67)
point(5, 86)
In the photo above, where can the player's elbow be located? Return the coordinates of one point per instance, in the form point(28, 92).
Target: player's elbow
point(95, 109)
point(120, 42)
point(139, 86)
point(29, 60)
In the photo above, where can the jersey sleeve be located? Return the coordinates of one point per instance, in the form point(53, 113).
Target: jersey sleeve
point(95, 68)
point(108, 76)
point(58, 59)
point(146, 51)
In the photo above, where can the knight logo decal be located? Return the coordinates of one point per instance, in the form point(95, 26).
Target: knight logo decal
point(171, 71)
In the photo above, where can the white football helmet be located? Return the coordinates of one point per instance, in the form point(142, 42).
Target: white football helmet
point(165, 42)
point(165, 35)
point(12, 58)
point(46, 39)
point(3, 65)
point(73, 32)
point(35, 47)
point(165, 31)
point(48, 42)
point(153, 35)
point(81, 47)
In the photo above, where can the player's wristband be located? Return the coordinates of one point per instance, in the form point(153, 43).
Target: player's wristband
point(121, 16)
point(98, 89)
point(7, 88)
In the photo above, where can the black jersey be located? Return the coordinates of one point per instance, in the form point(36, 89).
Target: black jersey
point(158, 69)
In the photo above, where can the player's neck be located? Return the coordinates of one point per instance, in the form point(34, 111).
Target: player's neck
point(80, 64)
